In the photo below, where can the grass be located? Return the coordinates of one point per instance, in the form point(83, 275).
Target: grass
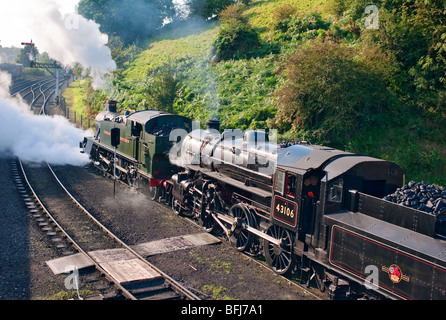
point(216, 292)
point(72, 294)
point(417, 148)
point(262, 11)
point(194, 40)
point(75, 97)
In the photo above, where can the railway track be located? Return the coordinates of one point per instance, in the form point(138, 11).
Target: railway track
point(72, 226)
point(37, 92)
point(27, 88)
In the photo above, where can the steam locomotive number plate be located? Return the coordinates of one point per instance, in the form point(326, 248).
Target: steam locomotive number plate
point(285, 211)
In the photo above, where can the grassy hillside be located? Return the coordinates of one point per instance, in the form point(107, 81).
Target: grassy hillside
point(192, 39)
point(244, 93)
point(262, 13)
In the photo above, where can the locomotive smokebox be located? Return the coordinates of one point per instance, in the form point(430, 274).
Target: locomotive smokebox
point(213, 125)
point(111, 106)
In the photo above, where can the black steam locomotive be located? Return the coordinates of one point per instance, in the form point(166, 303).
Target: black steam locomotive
point(306, 208)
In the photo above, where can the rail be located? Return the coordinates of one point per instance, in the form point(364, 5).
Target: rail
point(171, 283)
point(177, 287)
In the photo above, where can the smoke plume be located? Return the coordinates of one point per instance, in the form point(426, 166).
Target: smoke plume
point(67, 37)
point(37, 138)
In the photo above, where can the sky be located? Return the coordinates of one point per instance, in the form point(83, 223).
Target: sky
point(68, 38)
point(14, 28)
point(55, 28)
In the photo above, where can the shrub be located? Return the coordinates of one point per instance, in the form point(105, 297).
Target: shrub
point(211, 8)
point(236, 39)
point(236, 42)
point(162, 87)
point(283, 13)
point(330, 93)
point(296, 29)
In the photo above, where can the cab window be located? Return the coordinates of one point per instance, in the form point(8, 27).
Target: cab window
point(285, 184)
point(335, 190)
point(280, 181)
point(290, 190)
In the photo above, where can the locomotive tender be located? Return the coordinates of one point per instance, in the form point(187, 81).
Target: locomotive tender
point(305, 207)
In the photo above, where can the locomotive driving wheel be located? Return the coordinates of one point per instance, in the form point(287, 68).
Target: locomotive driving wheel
point(241, 238)
point(207, 222)
point(212, 204)
point(105, 164)
point(126, 176)
point(279, 258)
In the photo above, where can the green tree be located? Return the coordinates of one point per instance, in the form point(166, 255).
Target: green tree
point(414, 31)
point(25, 54)
point(131, 20)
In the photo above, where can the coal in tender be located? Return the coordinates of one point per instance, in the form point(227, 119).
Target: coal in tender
point(420, 196)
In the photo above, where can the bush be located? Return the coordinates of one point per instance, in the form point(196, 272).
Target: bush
point(162, 88)
point(330, 93)
point(296, 29)
point(283, 13)
point(236, 42)
point(236, 39)
point(211, 8)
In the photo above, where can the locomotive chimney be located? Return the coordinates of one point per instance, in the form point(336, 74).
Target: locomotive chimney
point(213, 125)
point(111, 106)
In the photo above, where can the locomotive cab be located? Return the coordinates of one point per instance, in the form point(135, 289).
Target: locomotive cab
point(297, 186)
point(296, 199)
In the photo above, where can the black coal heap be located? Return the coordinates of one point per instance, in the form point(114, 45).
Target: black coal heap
point(421, 196)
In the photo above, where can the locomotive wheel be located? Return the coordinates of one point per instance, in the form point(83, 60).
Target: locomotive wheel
point(240, 238)
point(105, 166)
point(125, 176)
point(207, 222)
point(279, 258)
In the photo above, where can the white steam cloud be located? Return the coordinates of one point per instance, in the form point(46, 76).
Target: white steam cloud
point(37, 138)
point(67, 37)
